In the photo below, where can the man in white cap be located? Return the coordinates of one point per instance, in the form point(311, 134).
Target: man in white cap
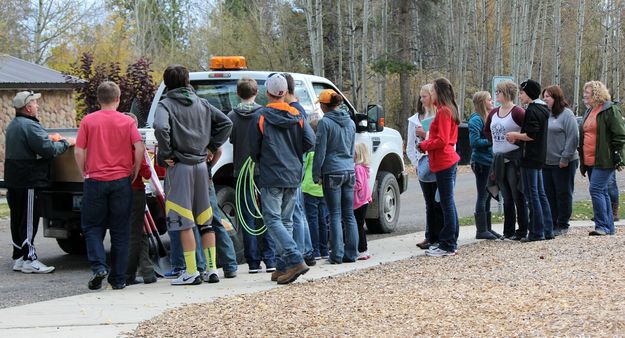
point(279, 140)
point(28, 154)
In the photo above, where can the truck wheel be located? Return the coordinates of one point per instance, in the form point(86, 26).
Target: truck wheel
point(388, 201)
point(225, 199)
point(74, 245)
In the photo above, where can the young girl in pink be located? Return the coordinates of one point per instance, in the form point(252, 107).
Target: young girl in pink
point(362, 196)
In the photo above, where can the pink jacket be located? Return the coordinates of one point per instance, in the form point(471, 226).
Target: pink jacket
point(362, 192)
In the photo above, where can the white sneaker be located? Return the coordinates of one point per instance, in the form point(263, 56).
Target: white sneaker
point(363, 256)
point(187, 279)
point(19, 263)
point(36, 267)
point(438, 252)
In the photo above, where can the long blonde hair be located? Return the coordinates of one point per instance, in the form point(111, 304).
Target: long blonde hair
point(479, 103)
point(361, 154)
point(428, 88)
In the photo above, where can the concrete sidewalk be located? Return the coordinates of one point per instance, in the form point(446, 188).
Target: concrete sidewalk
point(109, 313)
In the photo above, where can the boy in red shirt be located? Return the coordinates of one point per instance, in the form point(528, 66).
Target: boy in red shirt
point(108, 152)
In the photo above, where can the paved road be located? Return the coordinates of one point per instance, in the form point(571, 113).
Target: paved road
point(73, 271)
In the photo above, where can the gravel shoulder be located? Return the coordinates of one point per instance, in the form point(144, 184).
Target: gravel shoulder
point(571, 286)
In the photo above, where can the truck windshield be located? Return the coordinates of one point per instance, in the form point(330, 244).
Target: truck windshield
point(223, 94)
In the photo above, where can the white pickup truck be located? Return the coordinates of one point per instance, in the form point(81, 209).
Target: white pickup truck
point(388, 178)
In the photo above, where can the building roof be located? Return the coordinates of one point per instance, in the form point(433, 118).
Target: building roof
point(19, 74)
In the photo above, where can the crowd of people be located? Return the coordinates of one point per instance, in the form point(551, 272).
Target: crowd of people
point(311, 173)
point(523, 155)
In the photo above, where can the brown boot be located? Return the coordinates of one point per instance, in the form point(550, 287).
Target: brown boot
point(424, 245)
point(615, 212)
point(292, 273)
point(275, 275)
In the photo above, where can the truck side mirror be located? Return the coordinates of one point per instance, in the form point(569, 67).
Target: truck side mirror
point(375, 118)
point(361, 122)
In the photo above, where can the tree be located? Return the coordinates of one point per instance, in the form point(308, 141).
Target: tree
point(557, 28)
point(136, 85)
point(578, 54)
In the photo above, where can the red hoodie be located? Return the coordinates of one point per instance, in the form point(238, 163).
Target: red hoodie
point(441, 141)
point(144, 173)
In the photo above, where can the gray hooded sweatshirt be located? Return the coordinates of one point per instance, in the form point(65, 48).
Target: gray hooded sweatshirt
point(187, 127)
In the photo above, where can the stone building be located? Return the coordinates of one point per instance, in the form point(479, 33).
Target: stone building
point(56, 106)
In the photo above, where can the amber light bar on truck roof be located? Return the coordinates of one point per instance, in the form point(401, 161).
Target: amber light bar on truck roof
point(228, 63)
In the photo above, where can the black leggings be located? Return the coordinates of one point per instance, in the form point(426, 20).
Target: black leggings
point(360, 214)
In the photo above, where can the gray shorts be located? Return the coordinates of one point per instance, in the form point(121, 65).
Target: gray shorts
point(187, 201)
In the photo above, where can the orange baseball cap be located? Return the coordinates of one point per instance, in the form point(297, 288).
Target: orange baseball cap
point(326, 96)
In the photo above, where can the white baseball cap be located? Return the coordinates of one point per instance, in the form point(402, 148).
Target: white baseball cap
point(276, 85)
point(21, 99)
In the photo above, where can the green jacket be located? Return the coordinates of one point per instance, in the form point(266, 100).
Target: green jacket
point(308, 186)
point(610, 137)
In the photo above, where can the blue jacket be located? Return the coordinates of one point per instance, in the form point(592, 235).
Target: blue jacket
point(279, 140)
point(481, 148)
point(334, 151)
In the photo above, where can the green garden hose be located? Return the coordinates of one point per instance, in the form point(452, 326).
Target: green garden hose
point(246, 178)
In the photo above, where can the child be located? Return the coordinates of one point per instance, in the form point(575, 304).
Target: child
point(362, 196)
point(138, 251)
point(315, 205)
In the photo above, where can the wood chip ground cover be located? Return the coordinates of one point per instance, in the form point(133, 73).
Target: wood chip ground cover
point(571, 286)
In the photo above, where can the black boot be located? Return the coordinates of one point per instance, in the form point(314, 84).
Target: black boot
point(482, 227)
point(489, 225)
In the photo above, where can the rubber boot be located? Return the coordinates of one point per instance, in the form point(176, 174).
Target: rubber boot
point(615, 212)
point(482, 227)
point(489, 226)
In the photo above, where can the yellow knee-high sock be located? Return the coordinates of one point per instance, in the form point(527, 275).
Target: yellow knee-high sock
point(189, 260)
point(211, 258)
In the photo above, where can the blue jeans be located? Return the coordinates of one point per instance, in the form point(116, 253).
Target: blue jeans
point(601, 206)
point(613, 190)
point(316, 214)
point(278, 205)
point(107, 204)
point(225, 248)
point(541, 223)
point(559, 185)
point(338, 191)
point(482, 204)
point(301, 233)
point(250, 242)
point(433, 211)
point(448, 237)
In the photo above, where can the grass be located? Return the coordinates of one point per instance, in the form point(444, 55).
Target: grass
point(582, 210)
point(4, 210)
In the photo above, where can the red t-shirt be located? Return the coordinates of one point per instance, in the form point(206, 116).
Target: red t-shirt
point(108, 137)
point(441, 141)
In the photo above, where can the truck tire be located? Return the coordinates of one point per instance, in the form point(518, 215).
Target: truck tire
point(74, 245)
point(225, 199)
point(388, 201)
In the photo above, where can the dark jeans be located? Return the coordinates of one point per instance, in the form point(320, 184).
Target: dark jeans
point(514, 206)
point(317, 214)
point(448, 237)
point(541, 224)
point(433, 211)
point(138, 247)
point(107, 204)
point(482, 204)
point(559, 184)
point(360, 214)
point(338, 190)
point(251, 245)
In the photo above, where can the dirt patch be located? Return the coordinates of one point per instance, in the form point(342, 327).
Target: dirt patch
point(570, 286)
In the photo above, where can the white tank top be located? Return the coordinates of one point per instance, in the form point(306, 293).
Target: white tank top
point(498, 128)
